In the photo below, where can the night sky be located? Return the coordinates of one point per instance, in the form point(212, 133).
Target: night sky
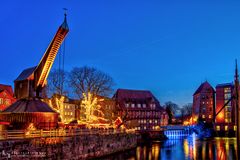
point(167, 47)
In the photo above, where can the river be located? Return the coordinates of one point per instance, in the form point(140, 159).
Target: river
point(189, 148)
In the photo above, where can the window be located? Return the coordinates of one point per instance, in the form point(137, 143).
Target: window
point(126, 105)
point(226, 128)
point(144, 105)
point(133, 105)
point(210, 116)
point(203, 116)
point(1, 101)
point(154, 106)
point(235, 128)
point(139, 105)
point(218, 128)
point(7, 102)
point(227, 90)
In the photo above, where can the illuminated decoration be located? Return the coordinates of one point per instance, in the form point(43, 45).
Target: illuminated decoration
point(118, 122)
point(92, 110)
point(30, 129)
point(62, 105)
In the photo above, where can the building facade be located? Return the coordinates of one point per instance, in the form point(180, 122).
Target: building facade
point(66, 107)
point(140, 109)
point(108, 109)
point(204, 103)
point(225, 118)
point(6, 96)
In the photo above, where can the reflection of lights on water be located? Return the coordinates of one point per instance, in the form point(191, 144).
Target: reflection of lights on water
point(138, 153)
point(155, 151)
point(144, 152)
point(191, 148)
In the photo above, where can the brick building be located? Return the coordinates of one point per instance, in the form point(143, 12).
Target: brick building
point(204, 103)
point(6, 96)
point(141, 108)
point(225, 120)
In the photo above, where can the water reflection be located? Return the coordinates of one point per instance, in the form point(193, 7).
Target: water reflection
point(189, 148)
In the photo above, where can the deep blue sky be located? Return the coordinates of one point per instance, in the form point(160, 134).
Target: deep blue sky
point(168, 47)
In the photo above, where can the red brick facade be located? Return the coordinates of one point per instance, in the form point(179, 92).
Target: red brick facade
point(225, 120)
point(140, 108)
point(6, 96)
point(204, 103)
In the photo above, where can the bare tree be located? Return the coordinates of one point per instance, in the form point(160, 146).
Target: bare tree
point(89, 79)
point(171, 109)
point(187, 109)
point(56, 82)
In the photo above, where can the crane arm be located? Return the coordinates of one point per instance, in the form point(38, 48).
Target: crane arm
point(44, 67)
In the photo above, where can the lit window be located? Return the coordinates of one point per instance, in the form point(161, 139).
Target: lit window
point(203, 116)
point(127, 105)
point(155, 121)
point(218, 128)
point(235, 128)
point(7, 102)
point(139, 105)
point(226, 120)
point(145, 127)
point(133, 105)
point(144, 105)
point(150, 121)
point(210, 116)
point(203, 102)
point(1, 101)
point(226, 128)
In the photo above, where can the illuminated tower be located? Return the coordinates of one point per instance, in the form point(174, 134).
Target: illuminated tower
point(204, 103)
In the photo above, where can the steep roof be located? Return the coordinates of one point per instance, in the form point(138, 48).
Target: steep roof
point(25, 74)
point(8, 88)
point(25, 105)
point(135, 95)
point(204, 86)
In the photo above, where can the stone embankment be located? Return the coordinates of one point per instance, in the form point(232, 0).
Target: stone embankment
point(75, 147)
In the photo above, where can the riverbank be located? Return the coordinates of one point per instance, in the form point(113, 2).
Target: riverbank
point(76, 147)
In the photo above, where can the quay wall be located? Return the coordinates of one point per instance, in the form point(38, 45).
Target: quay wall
point(75, 147)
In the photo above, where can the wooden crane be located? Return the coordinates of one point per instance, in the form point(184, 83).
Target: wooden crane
point(32, 80)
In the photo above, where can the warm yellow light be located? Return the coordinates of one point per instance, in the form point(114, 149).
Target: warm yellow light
point(92, 109)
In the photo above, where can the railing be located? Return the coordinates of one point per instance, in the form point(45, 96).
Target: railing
point(22, 134)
